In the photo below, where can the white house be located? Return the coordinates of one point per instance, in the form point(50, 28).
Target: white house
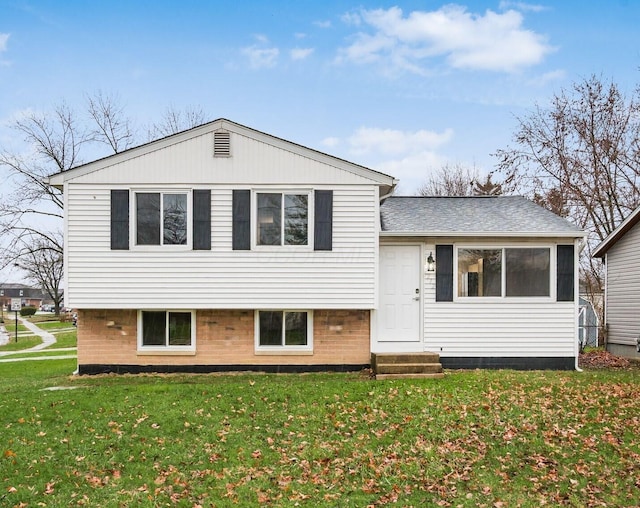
point(619, 252)
point(225, 248)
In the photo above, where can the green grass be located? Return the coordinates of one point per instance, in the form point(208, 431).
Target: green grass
point(53, 325)
point(10, 326)
point(477, 438)
point(65, 339)
point(23, 343)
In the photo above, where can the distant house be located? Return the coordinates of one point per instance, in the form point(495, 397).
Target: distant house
point(29, 297)
point(225, 248)
point(619, 252)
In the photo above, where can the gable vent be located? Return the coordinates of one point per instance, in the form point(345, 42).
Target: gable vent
point(222, 144)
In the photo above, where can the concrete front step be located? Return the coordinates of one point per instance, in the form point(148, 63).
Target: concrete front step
point(435, 375)
point(406, 365)
point(408, 368)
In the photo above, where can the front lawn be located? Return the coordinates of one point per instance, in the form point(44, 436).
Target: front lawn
point(475, 438)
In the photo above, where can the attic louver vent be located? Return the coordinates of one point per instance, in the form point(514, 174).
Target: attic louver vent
point(221, 144)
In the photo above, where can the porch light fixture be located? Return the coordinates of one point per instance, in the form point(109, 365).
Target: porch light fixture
point(431, 263)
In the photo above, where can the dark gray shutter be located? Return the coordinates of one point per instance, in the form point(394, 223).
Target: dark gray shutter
point(241, 219)
point(565, 273)
point(323, 220)
point(120, 220)
point(201, 219)
point(444, 273)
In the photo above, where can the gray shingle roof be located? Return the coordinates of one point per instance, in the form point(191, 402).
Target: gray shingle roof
point(501, 215)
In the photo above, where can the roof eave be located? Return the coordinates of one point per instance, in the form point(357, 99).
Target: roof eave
point(617, 233)
point(486, 234)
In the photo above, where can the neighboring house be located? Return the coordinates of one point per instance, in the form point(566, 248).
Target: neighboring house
point(619, 252)
point(225, 248)
point(30, 297)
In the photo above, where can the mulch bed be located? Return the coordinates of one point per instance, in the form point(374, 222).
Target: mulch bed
point(603, 360)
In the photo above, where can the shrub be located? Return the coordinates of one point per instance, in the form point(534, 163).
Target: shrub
point(27, 311)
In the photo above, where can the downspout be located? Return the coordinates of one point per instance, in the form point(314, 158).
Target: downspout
point(581, 245)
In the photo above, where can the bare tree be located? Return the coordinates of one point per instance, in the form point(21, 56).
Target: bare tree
point(43, 265)
point(580, 157)
point(175, 120)
point(487, 188)
point(31, 212)
point(110, 125)
point(450, 180)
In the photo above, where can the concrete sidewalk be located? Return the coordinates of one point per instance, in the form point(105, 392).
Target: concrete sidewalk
point(47, 338)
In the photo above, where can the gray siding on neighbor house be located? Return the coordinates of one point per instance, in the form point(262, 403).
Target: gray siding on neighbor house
point(622, 306)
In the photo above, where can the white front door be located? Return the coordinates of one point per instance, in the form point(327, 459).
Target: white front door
point(400, 295)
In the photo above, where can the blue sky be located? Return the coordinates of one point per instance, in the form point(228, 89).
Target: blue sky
point(402, 87)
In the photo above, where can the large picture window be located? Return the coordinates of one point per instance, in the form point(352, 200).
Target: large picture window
point(511, 272)
point(166, 329)
point(283, 329)
point(161, 218)
point(282, 219)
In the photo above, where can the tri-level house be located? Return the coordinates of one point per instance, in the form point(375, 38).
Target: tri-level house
point(224, 248)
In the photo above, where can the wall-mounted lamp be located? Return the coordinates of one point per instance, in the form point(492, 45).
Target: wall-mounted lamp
point(431, 263)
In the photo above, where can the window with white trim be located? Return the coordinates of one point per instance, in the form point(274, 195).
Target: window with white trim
point(284, 329)
point(282, 218)
point(162, 218)
point(168, 330)
point(510, 272)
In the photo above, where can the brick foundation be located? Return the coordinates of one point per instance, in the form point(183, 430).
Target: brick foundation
point(224, 338)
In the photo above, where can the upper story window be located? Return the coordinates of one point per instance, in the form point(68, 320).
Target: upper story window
point(282, 218)
point(510, 272)
point(161, 218)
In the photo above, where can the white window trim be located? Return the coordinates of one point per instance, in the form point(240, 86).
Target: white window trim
point(503, 275)
point(167, 350)
point(134, 219)
point(283, 350)
point(310, 218)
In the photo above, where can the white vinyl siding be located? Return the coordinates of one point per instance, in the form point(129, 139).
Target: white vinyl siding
point(252, 162)
point(343, 278)
point(505, 327)
point(623, 290)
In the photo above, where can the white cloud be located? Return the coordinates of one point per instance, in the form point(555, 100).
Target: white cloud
point(322, 24)
point(548, 77)
point(300, 35)
point(406, 155)
point(493, 41)
point(300, 53)
point(522, 6)
point(261, 57)
point(351, 18)
point(4, 38)
point(390, 142)
point(331, 142)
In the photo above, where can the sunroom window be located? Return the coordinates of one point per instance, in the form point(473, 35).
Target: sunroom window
point(511, 272)
point(161, 218)
point(479, 272)
point(283, 219)
point(528, 272)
